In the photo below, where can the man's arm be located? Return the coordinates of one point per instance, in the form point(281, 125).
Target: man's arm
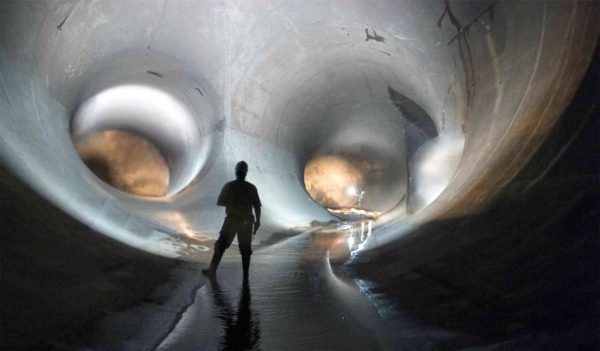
point(223, 197)
point(257, 222)
point(256, 204)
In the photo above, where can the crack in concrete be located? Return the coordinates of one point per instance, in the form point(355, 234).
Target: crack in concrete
point(155, 74)
point(465, 29)
point(464, 48)
point(62, 23)
point(375, 37)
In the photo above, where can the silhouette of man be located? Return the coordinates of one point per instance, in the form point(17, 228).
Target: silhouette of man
point(238, 197)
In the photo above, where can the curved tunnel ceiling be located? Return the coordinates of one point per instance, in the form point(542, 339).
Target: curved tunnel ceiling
point(438, 104)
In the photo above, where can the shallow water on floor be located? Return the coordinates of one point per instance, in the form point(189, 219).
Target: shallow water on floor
point(295, 301)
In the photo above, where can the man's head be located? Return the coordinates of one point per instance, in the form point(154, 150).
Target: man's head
point(241, 169)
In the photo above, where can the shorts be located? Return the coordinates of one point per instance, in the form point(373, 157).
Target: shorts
point(242, 226)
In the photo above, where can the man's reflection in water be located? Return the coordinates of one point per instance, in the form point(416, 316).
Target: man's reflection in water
point(242, 329)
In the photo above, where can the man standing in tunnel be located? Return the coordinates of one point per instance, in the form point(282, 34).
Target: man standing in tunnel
point(238, 197)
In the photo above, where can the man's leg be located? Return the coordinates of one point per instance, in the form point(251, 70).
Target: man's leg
point(216, 259)
point(221, 245)
point(245, 243)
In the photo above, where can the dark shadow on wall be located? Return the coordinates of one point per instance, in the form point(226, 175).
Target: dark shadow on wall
point(527, 264)
point(56, 274)
point(418, 125)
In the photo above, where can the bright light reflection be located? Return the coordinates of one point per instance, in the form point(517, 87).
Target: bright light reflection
point(352, 190)
point(358, 235)
point(433, 168)
point(182, 225)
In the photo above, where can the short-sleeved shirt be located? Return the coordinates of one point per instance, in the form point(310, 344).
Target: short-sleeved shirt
point(239, 197)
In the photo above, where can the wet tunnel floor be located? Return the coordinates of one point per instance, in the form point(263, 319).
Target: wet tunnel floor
point(295, 301)
point(298, 299)
point(287, 306)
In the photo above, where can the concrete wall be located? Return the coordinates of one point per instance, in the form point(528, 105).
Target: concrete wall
point(291, 76)
point(57, 274)
point(276, 80)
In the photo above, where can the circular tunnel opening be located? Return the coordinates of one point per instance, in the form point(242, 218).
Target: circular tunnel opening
point(367, 153)
point(123, 126)
point(334, 182)
point(126, 161)
point(144, 124)
point(356, 180)
point(356, 121)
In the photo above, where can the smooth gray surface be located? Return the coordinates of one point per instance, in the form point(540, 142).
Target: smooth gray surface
point(281, 81)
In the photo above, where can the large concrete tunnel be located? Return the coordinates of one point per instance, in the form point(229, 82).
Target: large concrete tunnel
point(458, 139)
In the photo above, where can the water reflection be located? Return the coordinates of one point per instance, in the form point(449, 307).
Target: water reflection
point(358, 235)
point(346, 240)
point(241, 328)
